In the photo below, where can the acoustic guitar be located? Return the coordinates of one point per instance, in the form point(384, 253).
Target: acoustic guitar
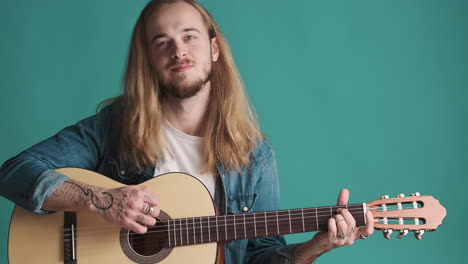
point(188, 229)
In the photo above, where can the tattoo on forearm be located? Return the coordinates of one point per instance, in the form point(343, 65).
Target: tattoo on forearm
point(102, 203)
point(58, 193)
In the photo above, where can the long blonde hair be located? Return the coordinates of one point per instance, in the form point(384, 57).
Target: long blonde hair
point(232, 128)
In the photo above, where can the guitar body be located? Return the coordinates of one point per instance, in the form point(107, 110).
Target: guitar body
point(40, 239)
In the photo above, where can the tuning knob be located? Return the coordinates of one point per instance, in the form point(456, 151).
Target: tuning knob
point(403, 233)
point(383, 197)
point(418, 234)
point(401, 195)
point(415, 194)
point(387, 233)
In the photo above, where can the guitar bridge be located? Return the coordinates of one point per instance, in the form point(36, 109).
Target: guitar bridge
point(69, 238)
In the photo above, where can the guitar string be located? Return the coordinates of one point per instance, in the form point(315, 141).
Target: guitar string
point(140, 243)
point(82, 229)
point(229, 225)
point(213, 219)
point(311, 211)
point(191, 231)
point(176, 222)
point(204, 225)
point(260, 230)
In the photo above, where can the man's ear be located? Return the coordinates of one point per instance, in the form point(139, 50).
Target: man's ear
point(214, 49)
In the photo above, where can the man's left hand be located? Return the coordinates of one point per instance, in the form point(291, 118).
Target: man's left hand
point(342, 231)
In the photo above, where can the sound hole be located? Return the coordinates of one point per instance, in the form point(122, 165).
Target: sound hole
point(152, 242)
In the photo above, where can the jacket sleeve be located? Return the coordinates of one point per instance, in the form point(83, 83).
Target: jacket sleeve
point(271, 250)
point(28, 179)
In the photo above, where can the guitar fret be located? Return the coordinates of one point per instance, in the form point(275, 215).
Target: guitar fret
point(175, 235)
point(277, 222)
point(235, 227)
point(245, 231)
point(201, 229)
point(303, 225)
point(169, 231)
point(289, 215)
point(217, 233)
point(209, 231)
point(266, 225)
point(225, 227)
point(187, 230)
point(194, 238)
point(255, 225)
point(316, 219)
point(181, 240)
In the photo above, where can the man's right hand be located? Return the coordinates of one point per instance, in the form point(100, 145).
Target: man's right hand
point(132, 207)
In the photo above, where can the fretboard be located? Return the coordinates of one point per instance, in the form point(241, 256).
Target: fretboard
point(206, 229)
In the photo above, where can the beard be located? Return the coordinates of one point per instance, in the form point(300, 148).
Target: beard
point(178, 88)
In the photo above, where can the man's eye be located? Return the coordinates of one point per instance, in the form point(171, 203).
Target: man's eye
point(189, 37)
point(163, 43)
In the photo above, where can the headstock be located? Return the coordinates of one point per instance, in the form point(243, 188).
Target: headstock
point(403, 214)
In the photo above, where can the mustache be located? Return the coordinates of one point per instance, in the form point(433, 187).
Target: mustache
point(179, 62)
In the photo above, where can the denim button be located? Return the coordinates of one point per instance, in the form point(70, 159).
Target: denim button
point(245, 209)
point(122, 172)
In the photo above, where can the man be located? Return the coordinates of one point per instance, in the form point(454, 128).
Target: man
point(183, 109)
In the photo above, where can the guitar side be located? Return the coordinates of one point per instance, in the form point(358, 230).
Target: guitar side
point(39, 239)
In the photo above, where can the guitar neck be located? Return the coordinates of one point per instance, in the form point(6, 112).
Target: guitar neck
point(207, 229)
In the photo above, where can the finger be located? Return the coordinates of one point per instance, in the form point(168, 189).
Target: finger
point(136, 227)
point(341, 226)
point(348, 217)
point(150, 210)
point(350, 221)
point(145, 208)
point(137, 205)
point(343, 197)
point(369, 228)
point(151, 198)
point(364, 232)
point(145, 220)
point(332, 229)
point(156, 212)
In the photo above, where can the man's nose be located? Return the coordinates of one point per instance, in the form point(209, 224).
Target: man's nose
point(179, 50)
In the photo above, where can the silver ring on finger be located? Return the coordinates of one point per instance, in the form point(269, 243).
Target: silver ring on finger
point(150, 210)
point(361, 235)
point(342, 236)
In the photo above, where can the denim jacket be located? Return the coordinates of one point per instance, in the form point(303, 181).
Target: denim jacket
point(29, 178)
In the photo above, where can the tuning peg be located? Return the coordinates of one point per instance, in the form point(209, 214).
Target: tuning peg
point(401, 195)
point(387, 233)
point(383, 197)
point(403, 233)
point(416, 194)
point(418, 234)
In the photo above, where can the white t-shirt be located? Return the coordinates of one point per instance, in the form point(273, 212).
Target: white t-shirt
point(183, 153)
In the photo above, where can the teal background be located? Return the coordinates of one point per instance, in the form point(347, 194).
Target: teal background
point(367, 94)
